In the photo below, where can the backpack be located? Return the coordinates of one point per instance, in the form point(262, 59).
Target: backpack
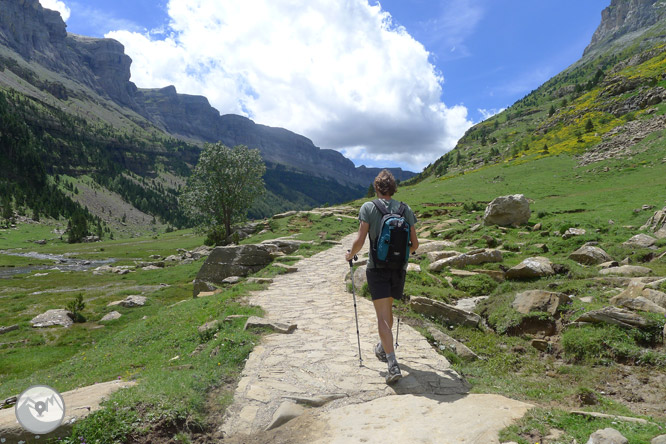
point(391, 248)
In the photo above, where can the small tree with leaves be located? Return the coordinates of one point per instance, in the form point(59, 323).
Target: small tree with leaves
point(222, 187)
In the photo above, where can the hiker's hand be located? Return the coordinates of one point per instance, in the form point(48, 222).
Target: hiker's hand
point(348, 256)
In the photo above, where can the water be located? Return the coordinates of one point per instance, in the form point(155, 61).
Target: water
point(60, 263)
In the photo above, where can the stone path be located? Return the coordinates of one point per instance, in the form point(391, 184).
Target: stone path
point(318, 365)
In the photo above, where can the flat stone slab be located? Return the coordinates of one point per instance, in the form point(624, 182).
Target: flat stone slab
point(111, 316)
point(278, 327)
point(626, 270)
point(51, 318)
point(418, 419)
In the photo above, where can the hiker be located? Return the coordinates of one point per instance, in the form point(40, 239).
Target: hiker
point(385, 281)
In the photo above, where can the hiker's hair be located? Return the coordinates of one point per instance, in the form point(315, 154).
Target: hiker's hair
point(385, 183)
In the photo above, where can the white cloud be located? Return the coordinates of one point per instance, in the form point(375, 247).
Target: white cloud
point(337, 72)
point(57, 5)
point(488, 113)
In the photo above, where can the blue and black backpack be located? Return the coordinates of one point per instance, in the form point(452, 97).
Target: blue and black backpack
point(391, 248)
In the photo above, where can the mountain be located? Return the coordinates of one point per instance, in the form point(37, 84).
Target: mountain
point(596, 109)
point(74, 114)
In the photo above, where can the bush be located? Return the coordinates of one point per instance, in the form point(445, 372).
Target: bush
point(76, 306)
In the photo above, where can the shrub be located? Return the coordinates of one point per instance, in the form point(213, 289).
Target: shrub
point(76, 306)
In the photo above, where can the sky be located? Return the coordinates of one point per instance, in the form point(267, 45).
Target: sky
point(387, 83)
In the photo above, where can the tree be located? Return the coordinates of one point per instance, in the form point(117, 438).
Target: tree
point(551, 111)
point(222, 187)
point(589, 126)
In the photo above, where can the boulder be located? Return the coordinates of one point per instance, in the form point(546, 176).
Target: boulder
point(278, 327)
point(539, 300)
point(607, 436)
point(475, 257)
point(447, 313)
point(53, 317)
point(445, 341)
point(201, 286)
point(626, 270)
point(532, 267)
point(360, 277)
point(638, 297)
point(571, 232)
point(134, 301)
point(657, 224)
point(590, 255)
point(413, 268)
point(661, 439)
point(640, 241)
point(510, 210)
point(235, 260)
point(427, 247)
point(434, 256)
point(208, 327)
point(284, 246)
point(616, 316)
point(111, 316)
point(8, 328)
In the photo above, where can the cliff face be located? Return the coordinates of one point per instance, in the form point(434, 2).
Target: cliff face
point(622, 17)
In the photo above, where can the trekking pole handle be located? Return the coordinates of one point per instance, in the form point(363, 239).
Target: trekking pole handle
point(350, 260)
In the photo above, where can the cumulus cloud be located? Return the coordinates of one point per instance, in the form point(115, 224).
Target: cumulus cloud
point(57, 5)
point(337, 72)
point(488, 113)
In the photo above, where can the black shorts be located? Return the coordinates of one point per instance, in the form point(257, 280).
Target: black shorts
point(385, 283)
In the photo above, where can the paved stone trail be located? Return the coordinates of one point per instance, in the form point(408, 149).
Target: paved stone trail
point(318, 365)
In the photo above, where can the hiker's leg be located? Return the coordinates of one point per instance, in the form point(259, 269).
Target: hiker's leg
point(384, 310)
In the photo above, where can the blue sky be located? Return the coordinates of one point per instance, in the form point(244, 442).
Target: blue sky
point(390, 83)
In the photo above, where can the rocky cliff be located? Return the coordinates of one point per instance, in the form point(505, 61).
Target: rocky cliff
point(623, 17)
point(40, 38)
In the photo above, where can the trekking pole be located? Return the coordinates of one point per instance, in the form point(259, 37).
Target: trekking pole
point(358, 334)
point(397, 332)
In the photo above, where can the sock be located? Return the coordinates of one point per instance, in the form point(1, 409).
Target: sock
point(390, 357)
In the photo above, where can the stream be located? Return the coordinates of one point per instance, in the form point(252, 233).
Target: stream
point(61, 263)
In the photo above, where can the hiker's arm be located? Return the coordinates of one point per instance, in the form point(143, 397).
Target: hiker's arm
point(414, 240)
point(359, 241)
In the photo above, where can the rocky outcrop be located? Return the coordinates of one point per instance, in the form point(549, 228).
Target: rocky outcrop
point(510, 210)
point(623, 17)
point(607, 436)
point(657, 224)
point(641, 241)
point(444, 312)
point(616, 316)
point(627, 270)
point(475, 257)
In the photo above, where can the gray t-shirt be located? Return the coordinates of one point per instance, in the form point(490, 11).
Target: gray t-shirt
point(370, 214)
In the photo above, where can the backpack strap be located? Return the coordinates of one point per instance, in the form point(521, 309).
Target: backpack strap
point(401, 210)
point(380, 206)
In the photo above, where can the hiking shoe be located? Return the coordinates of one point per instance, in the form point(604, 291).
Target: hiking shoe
point(393, 374)
point(380, 353)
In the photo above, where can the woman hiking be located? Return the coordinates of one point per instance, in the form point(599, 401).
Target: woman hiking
point(385, 282)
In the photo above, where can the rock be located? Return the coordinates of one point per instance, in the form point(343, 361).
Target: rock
point(532, 267)
point(462, 273)
point(201, 286)
point(53, 317)
point(285, 267)
point(134, 301)
point(8, 328)
point(41, 242)
point(538, 300)
point(616, 316)
point(469, 304)
point(657, 224)
point(413, 268)
point(510, 210)
point(447, 313)
point(589, 255)
point(285, 246)
point(571, 232)
point(232, 280)
point(256, 280)
point(278, 327)
point(640, 241)
point(497, 275)
point(360, 277)
point(537, 227)
point(317, 401)
point(661, 439)
point(638, 297)
point(434, 256)
point(627, 270)
point(208, 327)
point(446, 341)
point(540, 344)
point(111, 316)
point(285, 413)
point(476, 257)
point(235, 260)
point(598, 415)
point(286, 214)
point(607, 436)
point(608, 264)
point(427, 247)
